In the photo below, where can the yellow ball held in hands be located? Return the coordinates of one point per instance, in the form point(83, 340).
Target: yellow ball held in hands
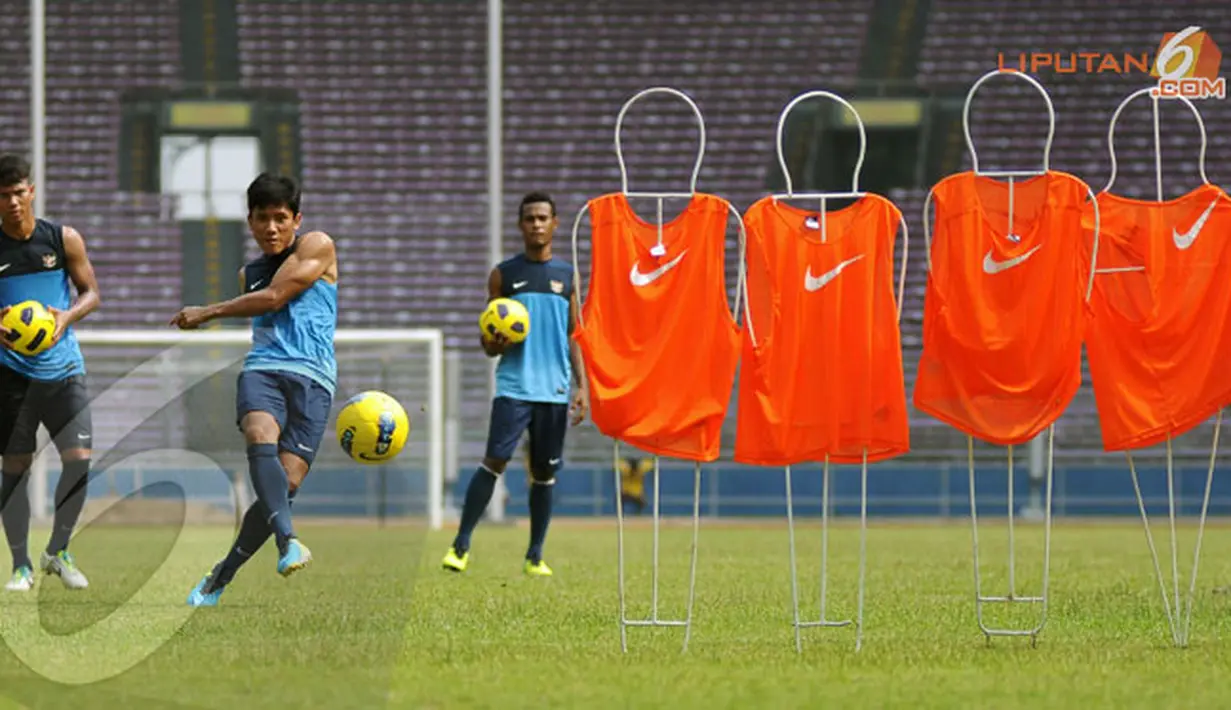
point(507, 317)
point(30, 327)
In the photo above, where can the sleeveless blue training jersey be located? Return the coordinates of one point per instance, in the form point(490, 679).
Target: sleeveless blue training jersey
point(297, 338)
point(539, 368)
point(34, 270)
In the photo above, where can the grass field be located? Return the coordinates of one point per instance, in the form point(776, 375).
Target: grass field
point(376, 623)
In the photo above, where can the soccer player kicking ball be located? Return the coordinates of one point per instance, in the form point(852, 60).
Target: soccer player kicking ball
point(532, 381)
point(287, 384)
point(39, 260)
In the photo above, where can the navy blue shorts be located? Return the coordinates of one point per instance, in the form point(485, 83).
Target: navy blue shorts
point(547, 423)
point(63, 406)
point(299, 404)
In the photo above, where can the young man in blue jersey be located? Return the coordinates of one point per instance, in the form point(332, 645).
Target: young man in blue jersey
point(42, 261)
point(286, 388)
point(533, 381)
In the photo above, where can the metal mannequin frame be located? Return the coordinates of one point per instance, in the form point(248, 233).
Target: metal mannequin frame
point(822, 197)
point(1012, 596)
point(1180, 627)
point(740, 299)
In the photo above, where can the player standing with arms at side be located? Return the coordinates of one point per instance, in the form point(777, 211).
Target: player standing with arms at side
point(532, 381)
point(286, 388)
point(38, 261)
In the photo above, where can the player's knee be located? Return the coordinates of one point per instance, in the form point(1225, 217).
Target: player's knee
point(545, 476)
point(260, 428)
point(74, 455)
point(16, 464)
point(496, 466)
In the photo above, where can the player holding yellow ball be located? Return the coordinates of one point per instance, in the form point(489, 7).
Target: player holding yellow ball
point(42, 380)
point(535, 380)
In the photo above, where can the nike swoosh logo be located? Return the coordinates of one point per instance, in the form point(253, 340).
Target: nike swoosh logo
point(2, 268)
point(991, 266)
point(255, 284)
point(639, 279)
point(1184, 240)
point(519, 284)
point(815, 283)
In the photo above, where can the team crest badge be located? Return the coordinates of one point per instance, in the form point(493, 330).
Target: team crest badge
point(49, 261)
point(557, 287)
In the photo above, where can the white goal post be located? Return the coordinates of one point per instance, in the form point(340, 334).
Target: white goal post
point(163, 389)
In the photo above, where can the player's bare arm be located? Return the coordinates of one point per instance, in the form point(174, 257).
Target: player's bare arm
point(81, 273)
point(314, 259)
point(581, 390)
point(496, 344)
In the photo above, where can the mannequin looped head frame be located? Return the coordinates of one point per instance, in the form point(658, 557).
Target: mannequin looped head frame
point(863, 147)
point(1158, 150)
point(619, 146)
point(1051, 125)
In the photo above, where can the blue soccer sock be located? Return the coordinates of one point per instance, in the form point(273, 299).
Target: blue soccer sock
point(478, 495)
point(253, 533)
point(15, 512)
point(540, 517)
point(270, 484)
point(70, 501)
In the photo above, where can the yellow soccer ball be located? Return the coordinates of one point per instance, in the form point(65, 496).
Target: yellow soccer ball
point(30, 327)
point(506, 317)
point(372, 427)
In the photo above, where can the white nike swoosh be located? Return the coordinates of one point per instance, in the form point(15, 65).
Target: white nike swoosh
point(1184, 240)
point(519, 284)
point(2, 268)
point(639, 279)
point(815, 283)
point(255, 284)
point(553, 462)
point(991, 266)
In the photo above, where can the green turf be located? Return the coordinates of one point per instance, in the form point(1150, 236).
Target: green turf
point(491, 638)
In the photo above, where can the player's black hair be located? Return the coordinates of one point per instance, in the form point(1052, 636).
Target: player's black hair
point(269, 190)
point(533, 197)
point(13, 169)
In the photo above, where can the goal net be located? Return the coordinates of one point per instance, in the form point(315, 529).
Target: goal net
point(163, 407)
